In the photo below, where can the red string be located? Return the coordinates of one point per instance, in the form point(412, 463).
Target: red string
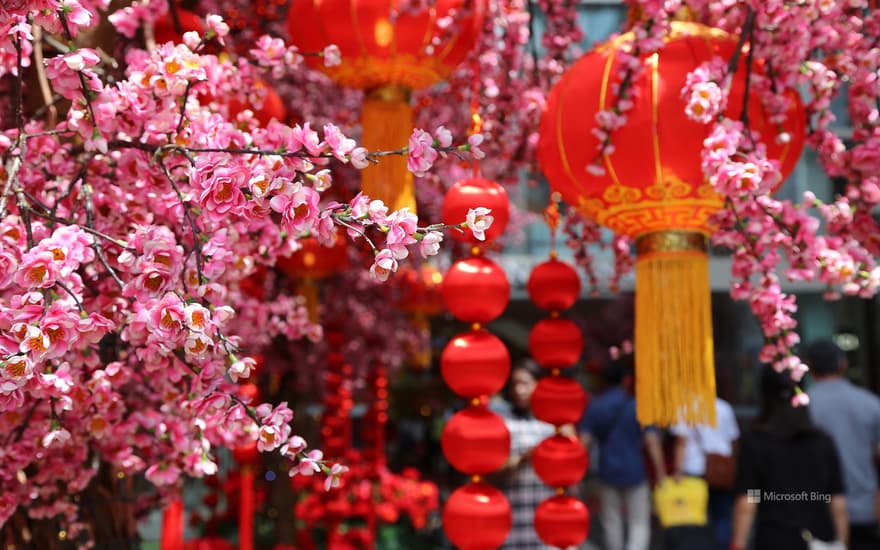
point(476, 121)
point(246, 509)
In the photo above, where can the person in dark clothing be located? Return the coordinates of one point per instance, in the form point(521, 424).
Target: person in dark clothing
point(789, 473)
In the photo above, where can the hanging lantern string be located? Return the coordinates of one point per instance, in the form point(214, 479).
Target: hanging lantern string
point(552, 218)
point(476, 119)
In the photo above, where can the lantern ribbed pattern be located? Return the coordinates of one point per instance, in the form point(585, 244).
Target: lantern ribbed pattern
point(388, 53)
point(559, 461)
point(476, 364)
point(653, 190)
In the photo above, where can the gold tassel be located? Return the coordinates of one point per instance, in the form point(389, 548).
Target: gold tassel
point(308, 289)
point(387, 122)
point(675, 364)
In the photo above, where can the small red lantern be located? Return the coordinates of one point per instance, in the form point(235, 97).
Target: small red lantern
point(476, 441)
point(558, 400)
point(475, 290)
point(556, 343)
point(272, 107)
point(477, 517)
point(420, 290)
point(475, 363)
point(560, 460)
point(554, 285)
point(473, 192)
point(164, 29)
point(562, 521)
point(314, 261)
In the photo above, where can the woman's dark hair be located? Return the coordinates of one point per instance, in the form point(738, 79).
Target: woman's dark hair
point(778, 417)
point(616, 370)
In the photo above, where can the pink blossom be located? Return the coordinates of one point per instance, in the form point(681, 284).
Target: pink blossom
point(478, 221)
point(421, 153)
point(309, 464)
point(429, 245)
point(383, 265)
point(332, 56)
point(334, 478)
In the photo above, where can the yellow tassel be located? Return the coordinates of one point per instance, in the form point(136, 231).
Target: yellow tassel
point(675, 366)
point(308, 289)
point(387, 122)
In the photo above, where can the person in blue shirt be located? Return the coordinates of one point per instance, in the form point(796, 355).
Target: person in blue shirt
point(624, 492)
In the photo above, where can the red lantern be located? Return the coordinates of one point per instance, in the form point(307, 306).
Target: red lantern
point(249, 393)
point(471, 193)
point(382, 46)
point(653, 189)
point(554, 285)
point(271, 108)
point(420, 290)
point(558, 400)
point(314, 261)
point(560, 460)
point(164, 29)
point(475, 363)
point(476, 441)
point(556, 343)
point(388, 52)
point(475, 290)
point(562, 521)
point(477, 517)
point(246, 453)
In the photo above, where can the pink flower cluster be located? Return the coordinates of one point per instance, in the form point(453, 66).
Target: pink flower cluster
point(128, 228)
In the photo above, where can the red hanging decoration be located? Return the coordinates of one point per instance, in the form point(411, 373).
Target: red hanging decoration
point(560, 460)
point(471, 193)
point(172, 525)
point(558, 400)
point(554, 285)
point(476, 441)
point(556, 343)
point(475, 290)
point(247, 455)
point(477, 517)
point(475, 363)
point(562, 521)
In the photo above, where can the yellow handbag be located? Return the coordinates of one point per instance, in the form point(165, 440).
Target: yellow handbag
point(683, 502)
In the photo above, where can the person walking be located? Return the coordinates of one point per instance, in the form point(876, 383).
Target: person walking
point(851, 415)
point(702, 446)
point(522, 486)
point(625, 497)
point(789, 475)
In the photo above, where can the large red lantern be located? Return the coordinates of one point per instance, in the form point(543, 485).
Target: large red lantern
point(558, 400)
point(653, 190)
point(562, 521)
point(471, 193)
point(477, 517)
point(476, 441)
point(556, 343)
point(560, 460)
point(387, 52)
point(475, 363)
point(476, 290)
